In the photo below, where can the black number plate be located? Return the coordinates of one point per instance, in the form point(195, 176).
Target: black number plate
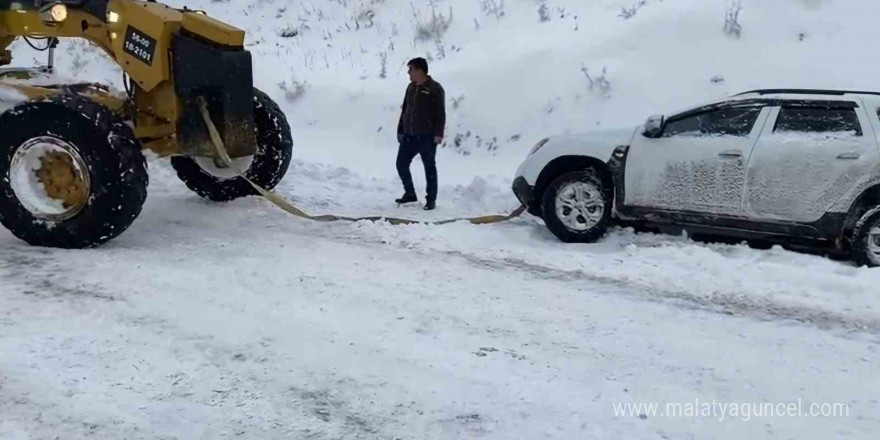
point(139, 45)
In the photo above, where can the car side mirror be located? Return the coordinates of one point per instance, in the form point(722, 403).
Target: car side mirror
point(654, 126)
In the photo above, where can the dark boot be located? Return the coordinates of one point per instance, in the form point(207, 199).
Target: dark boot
point(407, 198)
point(430, 205)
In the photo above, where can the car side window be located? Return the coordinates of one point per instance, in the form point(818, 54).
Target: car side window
point(818, 120)
point(722, 122)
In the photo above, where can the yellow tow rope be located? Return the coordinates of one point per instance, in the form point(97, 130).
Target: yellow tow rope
point(286, 205)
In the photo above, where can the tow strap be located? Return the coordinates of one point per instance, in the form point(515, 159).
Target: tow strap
point(286, 205)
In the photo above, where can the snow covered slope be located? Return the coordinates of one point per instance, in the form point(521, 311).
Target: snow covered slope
point(512, 78)
point(516, 78)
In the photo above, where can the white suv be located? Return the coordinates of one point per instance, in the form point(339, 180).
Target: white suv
point(799, 167)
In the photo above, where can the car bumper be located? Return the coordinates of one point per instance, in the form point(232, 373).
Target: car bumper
point(523, 190)
point(526, 195)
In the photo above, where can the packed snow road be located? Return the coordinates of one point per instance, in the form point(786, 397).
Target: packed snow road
point(214, 321)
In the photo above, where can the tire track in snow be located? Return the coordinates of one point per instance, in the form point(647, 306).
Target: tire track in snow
point(240, 379)
point(719, 302)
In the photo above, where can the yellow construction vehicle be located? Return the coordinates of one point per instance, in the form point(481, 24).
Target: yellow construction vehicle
point(72, 171)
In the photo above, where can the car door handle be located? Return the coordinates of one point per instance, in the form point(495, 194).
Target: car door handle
point(731, 153)
point(849, 156)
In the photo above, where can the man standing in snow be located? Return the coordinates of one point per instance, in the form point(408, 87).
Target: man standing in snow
point(420, 130)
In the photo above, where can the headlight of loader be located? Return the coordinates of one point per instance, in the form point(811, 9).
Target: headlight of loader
point(538, 146)
point(54, 13)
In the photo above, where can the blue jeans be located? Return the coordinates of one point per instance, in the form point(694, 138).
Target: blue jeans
point(418, 144)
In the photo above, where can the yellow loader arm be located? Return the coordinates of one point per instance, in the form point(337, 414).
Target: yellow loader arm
point(174, 57)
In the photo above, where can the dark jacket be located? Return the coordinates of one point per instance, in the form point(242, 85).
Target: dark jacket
point(423, 110)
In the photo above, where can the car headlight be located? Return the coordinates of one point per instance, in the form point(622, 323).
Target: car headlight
point(538, 146)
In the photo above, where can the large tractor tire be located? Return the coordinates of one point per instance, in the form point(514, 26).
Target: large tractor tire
point(73, 175)
point(266, 168)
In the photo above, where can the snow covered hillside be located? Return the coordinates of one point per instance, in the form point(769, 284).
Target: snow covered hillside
point(512, 78)
point(235, 320)
point(514, 74)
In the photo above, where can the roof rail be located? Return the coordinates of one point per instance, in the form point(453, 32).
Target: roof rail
point(807, 92)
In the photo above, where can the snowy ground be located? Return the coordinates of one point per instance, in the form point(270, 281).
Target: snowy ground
point(211, 321)
point(236, 320)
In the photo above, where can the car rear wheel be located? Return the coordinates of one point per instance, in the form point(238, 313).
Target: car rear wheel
point(577, 207)
point(866, 239)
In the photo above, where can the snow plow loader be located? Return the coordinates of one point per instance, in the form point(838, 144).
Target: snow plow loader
point(72, 169)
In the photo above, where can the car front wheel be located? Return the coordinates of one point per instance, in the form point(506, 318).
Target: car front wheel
point(577, 207)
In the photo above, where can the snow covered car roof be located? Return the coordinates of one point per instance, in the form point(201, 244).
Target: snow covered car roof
point(808, 92)
point(830, 98)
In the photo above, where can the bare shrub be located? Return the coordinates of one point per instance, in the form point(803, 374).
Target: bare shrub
point(434, 28)
point(731, 19)
point(383, 69)
point(293, 91)
point(543, 13)
point(600, 82)
point(630, 12)
point(493, 8)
